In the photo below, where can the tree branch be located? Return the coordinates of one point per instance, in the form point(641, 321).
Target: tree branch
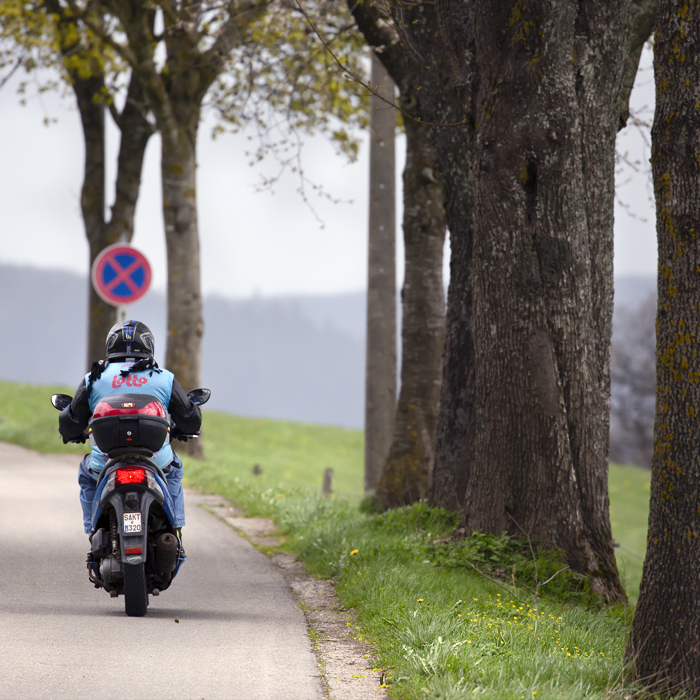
point(13, 70)
point(99, 31)
point(229, 37)
point(643, 19)
point(381, 39)
point(361, 82)
point(507, 590)
point(137, 22)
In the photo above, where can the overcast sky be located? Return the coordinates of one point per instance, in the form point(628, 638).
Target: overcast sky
point(252, 243)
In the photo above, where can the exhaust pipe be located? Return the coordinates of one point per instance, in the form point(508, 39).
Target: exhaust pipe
point(166, 555)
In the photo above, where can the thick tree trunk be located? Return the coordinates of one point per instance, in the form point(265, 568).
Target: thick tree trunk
point(664, 644)
point(455, 431)
point(185, 322)
point(406, 472)
point(444, 100)
point(540, 441)
point(380, 373)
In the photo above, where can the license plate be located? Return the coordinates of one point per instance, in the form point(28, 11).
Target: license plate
point(132, 522)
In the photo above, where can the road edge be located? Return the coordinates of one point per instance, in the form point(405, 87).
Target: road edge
point(346, 661)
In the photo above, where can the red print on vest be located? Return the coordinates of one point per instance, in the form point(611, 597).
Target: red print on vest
point(130, 380)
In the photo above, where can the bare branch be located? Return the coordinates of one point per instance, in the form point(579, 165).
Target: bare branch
point(366, 86)
point(507, 590)
point(552, 577)
point(20, 61)
point(115, 114)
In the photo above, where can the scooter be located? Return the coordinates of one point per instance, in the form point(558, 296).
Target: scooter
point(135, 545)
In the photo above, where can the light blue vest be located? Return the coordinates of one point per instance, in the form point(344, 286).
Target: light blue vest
point(111, 383)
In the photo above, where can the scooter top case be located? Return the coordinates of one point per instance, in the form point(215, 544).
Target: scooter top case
point(129, 420)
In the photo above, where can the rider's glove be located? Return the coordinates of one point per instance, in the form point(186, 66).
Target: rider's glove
point(81, 438)
point(175, 434)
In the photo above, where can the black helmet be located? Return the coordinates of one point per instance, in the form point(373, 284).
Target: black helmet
point(130, 339)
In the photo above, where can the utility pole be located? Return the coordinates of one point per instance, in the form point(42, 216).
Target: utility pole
point(380, 373)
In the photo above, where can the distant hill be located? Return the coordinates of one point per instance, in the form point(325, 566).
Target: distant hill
point(294, 358)
point(633, 290)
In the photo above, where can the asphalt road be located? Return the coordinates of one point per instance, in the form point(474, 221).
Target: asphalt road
point(240, 634)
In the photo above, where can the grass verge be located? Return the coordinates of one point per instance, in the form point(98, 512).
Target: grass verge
point(441, 629)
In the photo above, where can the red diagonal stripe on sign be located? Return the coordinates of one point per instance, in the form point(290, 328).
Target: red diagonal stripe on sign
point(123, 275)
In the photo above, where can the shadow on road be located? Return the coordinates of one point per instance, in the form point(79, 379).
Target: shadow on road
point(90, 610)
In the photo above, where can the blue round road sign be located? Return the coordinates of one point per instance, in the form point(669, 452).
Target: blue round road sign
point(121, 274)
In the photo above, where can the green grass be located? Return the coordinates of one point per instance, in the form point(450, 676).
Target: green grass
point(441, 630)
point(629, 508)
point(289, 454)
point(27, 417)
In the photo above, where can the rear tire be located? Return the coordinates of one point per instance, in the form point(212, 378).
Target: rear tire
point(135, 591)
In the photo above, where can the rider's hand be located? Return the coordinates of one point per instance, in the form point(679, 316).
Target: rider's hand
point(175, 434)
point(81, 438)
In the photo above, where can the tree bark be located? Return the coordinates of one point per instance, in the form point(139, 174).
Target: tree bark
point(642, 19)
point(185, 314)
point(444, 76)
point(406, 472)
point(380, 373)
point(185, 324)
point(541, 221)
point(101, 316)
point(664, 644)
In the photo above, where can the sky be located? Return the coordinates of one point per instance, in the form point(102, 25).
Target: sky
point(252, 243)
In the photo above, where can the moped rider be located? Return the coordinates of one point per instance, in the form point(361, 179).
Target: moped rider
point(130, 368)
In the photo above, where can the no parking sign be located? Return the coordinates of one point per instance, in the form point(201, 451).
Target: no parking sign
point(121, 274)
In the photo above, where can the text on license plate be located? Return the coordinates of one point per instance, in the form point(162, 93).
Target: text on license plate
point(132, 522)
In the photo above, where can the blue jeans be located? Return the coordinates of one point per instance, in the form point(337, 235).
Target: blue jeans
point(88, 485)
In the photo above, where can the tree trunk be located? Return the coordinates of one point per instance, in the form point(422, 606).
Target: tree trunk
point(540, 441)
point(101, 316)
point(135, 132)
point(455, 431)
point(175, 93)
point(380, 376)
point(185, 323)
point(664, 644)
point(406, 472)
point(602, 98)
point(443, 92)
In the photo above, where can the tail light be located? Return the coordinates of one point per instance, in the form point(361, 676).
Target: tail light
point(131, 476)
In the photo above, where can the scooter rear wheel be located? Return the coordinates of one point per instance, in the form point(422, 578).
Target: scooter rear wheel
point(135, 591)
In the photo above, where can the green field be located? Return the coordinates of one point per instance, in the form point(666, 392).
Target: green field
point(441, 630)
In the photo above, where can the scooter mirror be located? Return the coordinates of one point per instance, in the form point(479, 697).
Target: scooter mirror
point(60, 401)
point(199, 396)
